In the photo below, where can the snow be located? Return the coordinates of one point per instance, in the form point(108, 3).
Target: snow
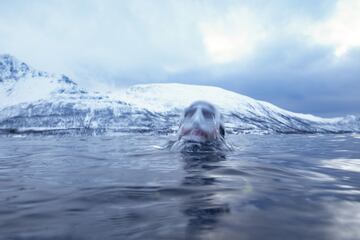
point(32, 99)
point(27, 89)
point(173, 96)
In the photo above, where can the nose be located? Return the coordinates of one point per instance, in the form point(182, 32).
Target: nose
point(198, 117)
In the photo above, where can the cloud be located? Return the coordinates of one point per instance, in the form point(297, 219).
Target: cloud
point(341, 30)
point(276, 51)
point(232, 36)
point(129, 38)
point(144, 39)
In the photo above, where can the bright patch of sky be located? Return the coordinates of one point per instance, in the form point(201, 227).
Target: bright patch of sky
point(341, 30)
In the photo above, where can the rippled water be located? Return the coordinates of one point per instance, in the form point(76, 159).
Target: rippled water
point(125, 187)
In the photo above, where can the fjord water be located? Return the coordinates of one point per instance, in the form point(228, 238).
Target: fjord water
point(126, 187)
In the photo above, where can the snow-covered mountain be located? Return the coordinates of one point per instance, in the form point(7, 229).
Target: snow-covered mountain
point(36, 101)
point(32, 100)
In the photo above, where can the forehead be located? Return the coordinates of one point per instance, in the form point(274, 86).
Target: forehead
point(203, 105)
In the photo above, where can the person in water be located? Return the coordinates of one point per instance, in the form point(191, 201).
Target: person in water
point(201, 122)
point(201, 125)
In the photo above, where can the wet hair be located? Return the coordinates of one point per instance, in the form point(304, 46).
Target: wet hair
point(203, 103)
point(222, 131)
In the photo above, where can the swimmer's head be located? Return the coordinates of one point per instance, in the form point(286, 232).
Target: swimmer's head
point(201, 122)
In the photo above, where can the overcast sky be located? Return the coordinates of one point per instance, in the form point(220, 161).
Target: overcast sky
point(300, 55)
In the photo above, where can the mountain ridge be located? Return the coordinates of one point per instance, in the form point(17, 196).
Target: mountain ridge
point(31, 99)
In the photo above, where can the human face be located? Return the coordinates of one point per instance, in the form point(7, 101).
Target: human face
point(200, 123)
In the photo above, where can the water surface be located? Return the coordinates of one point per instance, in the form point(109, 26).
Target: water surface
point(125, 187)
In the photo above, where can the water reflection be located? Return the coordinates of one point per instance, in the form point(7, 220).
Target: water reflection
point(204, 208)
point(270, 187)
point(346, 164)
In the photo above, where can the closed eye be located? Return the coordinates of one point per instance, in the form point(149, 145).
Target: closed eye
point(208, 114)
point(189, 113)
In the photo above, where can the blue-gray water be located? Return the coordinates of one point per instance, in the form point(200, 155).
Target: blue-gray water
point(124, 187)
